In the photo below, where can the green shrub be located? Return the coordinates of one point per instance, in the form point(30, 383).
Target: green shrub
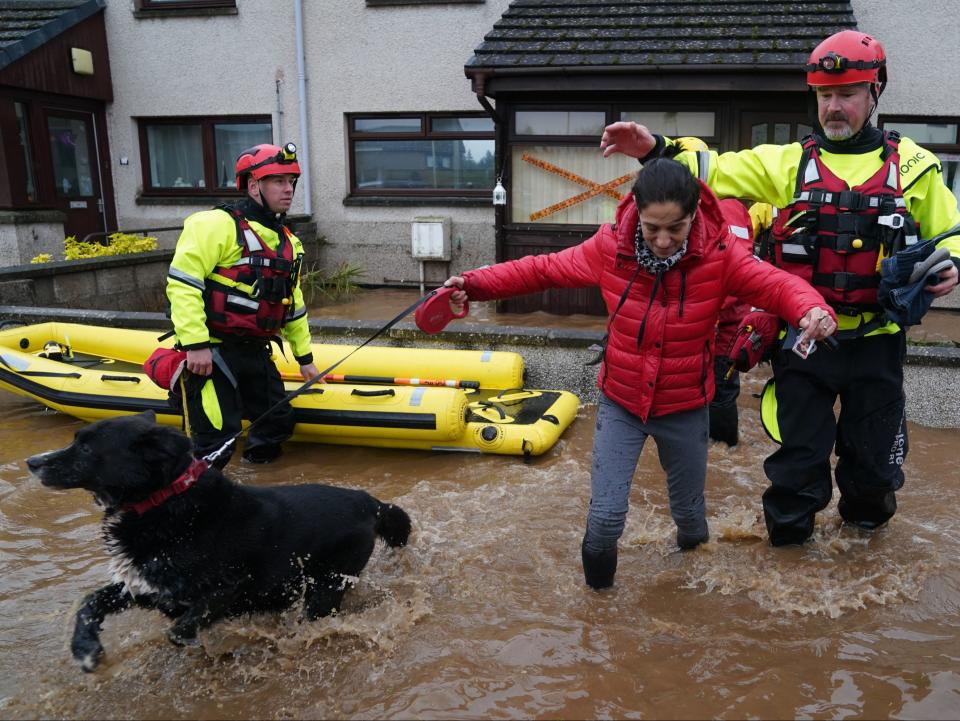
point(341, 283)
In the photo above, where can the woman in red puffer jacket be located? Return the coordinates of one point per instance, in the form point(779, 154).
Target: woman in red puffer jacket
point(664, 271)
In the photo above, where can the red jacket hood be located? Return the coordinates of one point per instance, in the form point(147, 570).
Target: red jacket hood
point(703, 230)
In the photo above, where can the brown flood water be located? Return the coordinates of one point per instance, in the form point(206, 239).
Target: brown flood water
point(485, 614)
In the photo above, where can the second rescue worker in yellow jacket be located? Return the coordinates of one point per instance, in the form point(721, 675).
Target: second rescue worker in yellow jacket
point(850, 195)
point(233, 287)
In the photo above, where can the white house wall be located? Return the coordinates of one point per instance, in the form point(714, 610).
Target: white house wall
point(923, 53)
point(176, 66)
point(389, 59)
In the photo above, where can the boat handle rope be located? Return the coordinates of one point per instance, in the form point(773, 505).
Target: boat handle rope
point(47, 374)
point(377, 392)
point(211, 457)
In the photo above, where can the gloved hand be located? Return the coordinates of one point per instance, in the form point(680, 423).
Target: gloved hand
point(755, 339)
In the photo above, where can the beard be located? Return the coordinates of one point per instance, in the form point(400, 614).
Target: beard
point(844, 133)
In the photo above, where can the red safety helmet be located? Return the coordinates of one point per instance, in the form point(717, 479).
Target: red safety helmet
point(263, 160)
point(846, 58)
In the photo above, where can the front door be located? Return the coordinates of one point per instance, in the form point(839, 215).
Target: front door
point(75, 165)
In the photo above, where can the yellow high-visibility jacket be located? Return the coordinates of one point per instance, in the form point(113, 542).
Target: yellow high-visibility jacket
point(768, 173)
point(209, 240)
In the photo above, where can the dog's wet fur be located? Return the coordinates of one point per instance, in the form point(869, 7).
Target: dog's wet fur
point(218, 549)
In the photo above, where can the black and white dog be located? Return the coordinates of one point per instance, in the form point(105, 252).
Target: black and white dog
point(197, 546)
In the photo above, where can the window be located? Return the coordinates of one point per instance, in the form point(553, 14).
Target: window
point(559, 177)
point(940, 136)
point(559, 122)
point(184, 4)
point(196, 156)
point(421, 154)
point(70, 155)
point(567, 184)
point(698, 124)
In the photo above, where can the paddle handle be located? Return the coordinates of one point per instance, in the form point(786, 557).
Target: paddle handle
point(390, 380)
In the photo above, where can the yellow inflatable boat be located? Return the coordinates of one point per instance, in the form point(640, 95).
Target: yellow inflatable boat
point(428, 399)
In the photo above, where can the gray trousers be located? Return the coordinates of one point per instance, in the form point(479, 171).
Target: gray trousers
point(617, 442)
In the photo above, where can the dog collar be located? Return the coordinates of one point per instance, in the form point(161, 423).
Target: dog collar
point(182, 484)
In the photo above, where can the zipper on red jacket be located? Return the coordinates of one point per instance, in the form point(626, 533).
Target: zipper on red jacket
point(704, 369)
point(653, 297)
point(683, 289)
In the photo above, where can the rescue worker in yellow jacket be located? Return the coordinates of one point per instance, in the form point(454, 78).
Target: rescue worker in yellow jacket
point(233, 287)
point(849, 196)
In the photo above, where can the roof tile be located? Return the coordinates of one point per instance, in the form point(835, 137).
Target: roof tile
point(667, 32)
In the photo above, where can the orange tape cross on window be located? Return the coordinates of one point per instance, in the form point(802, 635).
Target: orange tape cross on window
point(608, 188)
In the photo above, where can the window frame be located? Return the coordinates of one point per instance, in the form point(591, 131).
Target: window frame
point(928, 120)
point(387, 3)
point(158, 6)
point(426, 132)
point(208, 144)
point(938, 149)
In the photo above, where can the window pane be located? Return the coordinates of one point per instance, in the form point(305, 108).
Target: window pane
point(803, 131)
point(70, 148)
point(424, 164)
point(387, 125)
point(176, 156)
point(163, 4)
point(230, 140)
point(542, 190)
point(758, 134)
point(462, 125)
point(923, 133)
point(673, 125)
point(560, 122)
point(950, 162)
point(781, 133)
point(23, 135)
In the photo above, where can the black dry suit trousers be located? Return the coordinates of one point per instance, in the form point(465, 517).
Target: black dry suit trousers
point(869, 436)
point(218, 403)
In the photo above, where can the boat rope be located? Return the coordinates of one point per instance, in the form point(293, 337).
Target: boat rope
point(211, 457)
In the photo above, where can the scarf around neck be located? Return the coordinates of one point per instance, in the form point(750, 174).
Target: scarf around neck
point(650, 262)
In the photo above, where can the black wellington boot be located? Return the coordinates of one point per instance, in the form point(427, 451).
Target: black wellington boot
point(599, 567)
point(265, 453)
point(723, 424)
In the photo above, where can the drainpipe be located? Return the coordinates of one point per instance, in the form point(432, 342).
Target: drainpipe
point(499, 211)
point(304, 155)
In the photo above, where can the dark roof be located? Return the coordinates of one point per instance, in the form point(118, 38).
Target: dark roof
point(661, 34)
point(25, 25)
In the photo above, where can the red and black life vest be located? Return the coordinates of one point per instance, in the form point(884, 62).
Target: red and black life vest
point(254, 296)
point(832, 235)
